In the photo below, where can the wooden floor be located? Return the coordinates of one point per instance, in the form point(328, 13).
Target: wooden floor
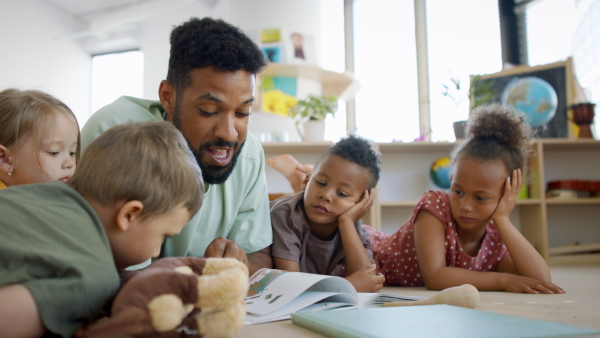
point(580, 305)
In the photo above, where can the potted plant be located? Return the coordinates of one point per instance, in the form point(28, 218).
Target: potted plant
point(311, 113)
point(479, 93)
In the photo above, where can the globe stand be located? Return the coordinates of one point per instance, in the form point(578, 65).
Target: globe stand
point(583, 116)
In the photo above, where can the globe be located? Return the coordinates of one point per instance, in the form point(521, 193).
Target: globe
point(440, 172)
point(534, 97)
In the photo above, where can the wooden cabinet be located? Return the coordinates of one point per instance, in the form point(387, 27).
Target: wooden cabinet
point(573, 224)
point(555, 226)
point(343, 85)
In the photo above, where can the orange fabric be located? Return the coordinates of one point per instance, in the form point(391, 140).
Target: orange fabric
point(274, 196)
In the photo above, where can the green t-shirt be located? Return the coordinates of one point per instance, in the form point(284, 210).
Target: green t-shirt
point(53, 243)
point(237, 209)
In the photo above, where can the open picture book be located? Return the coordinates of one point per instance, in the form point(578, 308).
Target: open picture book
point(275, 294)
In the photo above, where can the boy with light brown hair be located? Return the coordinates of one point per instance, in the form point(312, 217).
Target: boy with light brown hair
point(63, 245)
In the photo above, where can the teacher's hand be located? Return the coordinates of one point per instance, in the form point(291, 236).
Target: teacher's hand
point(224, 248)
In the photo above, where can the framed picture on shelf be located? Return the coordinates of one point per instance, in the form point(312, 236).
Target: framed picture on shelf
point(273, 53)
point(300, 48)
point(543, 93)
point(271, 44)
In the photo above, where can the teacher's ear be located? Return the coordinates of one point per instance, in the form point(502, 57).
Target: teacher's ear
point(167, 96)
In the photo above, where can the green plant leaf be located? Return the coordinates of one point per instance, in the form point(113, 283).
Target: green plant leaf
point(315, 107)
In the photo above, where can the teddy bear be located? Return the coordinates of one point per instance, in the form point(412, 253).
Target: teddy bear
point(178, 297)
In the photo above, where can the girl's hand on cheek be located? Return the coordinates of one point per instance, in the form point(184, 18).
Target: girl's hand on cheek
point(512, 188)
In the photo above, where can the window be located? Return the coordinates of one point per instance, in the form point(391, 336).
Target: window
point(463, 39)
point(576, 35)
point(115, 75)
point(387, 106)
point(459, 44)
point(548, 41)
point(333, 58)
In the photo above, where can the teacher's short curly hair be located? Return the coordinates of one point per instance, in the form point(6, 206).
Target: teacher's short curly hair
point(207, 42)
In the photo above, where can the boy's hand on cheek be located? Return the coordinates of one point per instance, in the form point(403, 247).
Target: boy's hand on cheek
point(360, 209)
point(224, 248)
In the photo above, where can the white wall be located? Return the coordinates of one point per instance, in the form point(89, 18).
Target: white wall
point(154, 41)
point(289, 15)
point(33, 57)
point(250, 16)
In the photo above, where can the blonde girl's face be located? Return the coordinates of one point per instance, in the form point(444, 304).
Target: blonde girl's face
point(56, 153)
point(476, 190)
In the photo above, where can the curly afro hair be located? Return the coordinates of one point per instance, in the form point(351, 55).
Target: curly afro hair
point(357, 150)
point(207, 42)
point(497, 132)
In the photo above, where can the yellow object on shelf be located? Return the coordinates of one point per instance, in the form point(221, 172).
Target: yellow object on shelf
point(270, 35)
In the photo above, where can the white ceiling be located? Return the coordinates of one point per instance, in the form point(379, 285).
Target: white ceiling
point(112, 25)
point(89, 8)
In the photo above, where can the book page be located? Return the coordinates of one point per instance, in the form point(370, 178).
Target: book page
point(367, 300)
point(308, 301)
point(272, 289)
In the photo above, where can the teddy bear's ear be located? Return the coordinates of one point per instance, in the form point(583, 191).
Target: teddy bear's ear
point(213, 266)
point(221, 292)
point(167, 311)
point(226, 323)
point(199, 295)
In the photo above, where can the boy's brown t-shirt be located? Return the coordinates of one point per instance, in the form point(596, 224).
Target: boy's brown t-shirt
point(293, 241)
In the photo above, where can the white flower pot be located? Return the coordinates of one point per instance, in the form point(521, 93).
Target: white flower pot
point(314, 131)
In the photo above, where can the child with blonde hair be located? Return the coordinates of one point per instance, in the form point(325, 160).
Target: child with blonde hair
point(63, 245)
point(465, 236)
point(39, 138)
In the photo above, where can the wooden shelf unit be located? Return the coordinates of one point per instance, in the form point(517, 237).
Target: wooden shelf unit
point(550, 224)
point(343, 85)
